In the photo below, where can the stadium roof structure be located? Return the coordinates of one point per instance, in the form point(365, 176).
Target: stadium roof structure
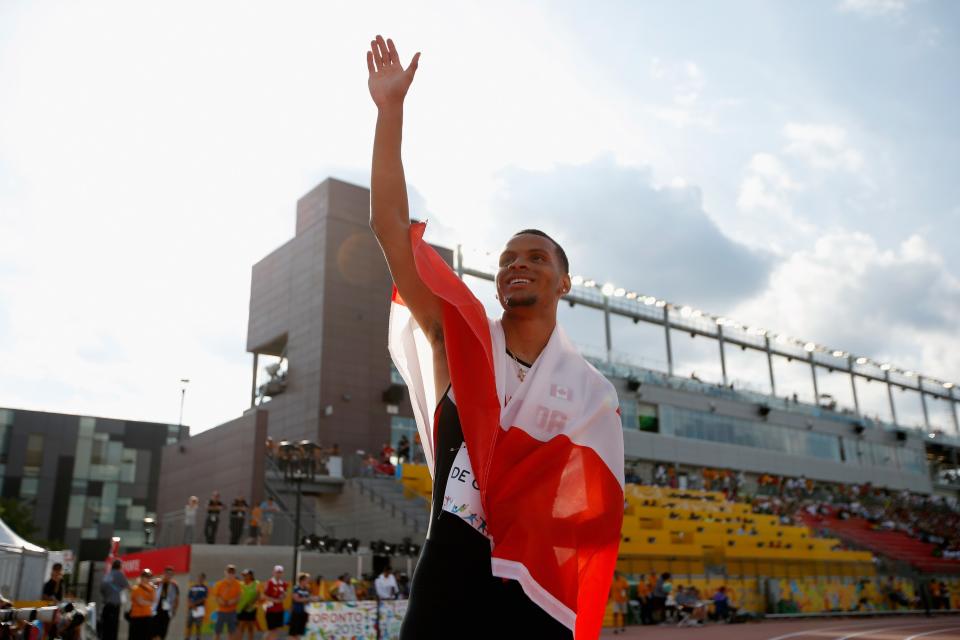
point(614, 300)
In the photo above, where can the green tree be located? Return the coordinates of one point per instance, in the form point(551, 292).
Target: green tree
point(18, 517)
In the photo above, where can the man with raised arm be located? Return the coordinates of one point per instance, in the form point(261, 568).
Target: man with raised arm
point(522, 436)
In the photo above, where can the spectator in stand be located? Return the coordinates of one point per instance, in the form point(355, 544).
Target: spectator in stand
point(226, 595)
point(275, 592)
point(111, 589)
point(247, 605)
point(256, 517)
point(141, 608)
point(692, 611)
point(385, 585)
point(166, 604)
point(298, 613)
point(386, 452)
point(214, 508)
point(268, 508)
point(403, 450)
point(190, 519)
point(238, 513)
point(659, 598)
point(197, 606)
point(620, 597)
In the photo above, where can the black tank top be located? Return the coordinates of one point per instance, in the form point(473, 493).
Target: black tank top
point(453, 593)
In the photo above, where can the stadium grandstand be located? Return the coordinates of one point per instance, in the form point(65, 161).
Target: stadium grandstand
point(799, 477)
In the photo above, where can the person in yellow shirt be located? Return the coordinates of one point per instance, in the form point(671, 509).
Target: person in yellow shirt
point(226, 595)
point(620, 596)
point(141, 607)
point(319, 589)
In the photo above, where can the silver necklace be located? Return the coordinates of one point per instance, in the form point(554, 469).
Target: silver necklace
point(521, 372)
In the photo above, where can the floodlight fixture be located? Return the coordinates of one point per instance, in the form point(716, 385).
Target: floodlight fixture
point(619, 292)
point(631, 295)
point(607, 289)
point(948, 385)
point(810, 347)
point(838, 354)
point(661, 304)
point(589, 283)
point(885, 367)
point(685, 311)
point(577, 280)
point(861, 360)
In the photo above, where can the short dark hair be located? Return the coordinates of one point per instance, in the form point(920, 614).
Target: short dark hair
point(564, 262)
point(56, 567)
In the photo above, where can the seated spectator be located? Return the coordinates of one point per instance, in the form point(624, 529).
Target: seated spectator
point(721, 605)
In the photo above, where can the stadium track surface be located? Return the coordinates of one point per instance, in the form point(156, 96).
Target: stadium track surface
point(944, 627)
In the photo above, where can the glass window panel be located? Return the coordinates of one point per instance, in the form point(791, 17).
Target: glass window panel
point(33, 459)
point(87, 426)
point(108, 503)
point(75, 511)
point(28, 488)
point(128, 468)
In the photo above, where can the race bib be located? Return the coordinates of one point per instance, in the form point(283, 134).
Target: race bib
point(462, 497)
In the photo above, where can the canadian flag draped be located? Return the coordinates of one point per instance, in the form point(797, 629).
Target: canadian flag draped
point(549, 463)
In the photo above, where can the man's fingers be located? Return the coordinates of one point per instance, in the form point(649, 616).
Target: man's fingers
point(392, 50)
point(375, 51)
point(414, 63)
point(382, 47)
point(370, 63)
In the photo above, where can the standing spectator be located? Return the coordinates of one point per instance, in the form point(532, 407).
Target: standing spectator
point(214, 507)
point(256, 518)
point(344, 590)
point(238, 513)
point(141, 608)
point(226, 595)
point(403, 450)
point(274, 592)
point(643, 595)
point(267, 509)
point(659, 597)
point(190, 519)
point(386, 585)
point(386, 452)
point(247, 606)
point(620, 596)
point(197, 603)
point(53, 588)
point(111, 589)
point(298, 613)
point(166, 604)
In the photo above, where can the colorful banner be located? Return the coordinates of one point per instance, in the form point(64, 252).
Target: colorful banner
point(355, 620)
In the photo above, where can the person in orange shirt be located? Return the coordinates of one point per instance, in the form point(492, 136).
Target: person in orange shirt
point(141, 607)
point(226, 595)
point(646, 608)
point(620, 595)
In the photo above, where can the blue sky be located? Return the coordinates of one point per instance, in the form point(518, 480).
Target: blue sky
point(791, 165)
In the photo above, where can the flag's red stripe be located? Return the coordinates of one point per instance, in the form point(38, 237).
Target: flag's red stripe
point(558, 511)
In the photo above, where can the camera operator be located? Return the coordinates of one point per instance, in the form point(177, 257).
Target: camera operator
point(111, 589)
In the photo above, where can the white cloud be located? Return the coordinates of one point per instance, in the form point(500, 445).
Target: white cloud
point(822, 147)
point(874, 7)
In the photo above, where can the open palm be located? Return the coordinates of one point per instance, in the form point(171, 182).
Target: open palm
point(388, 81)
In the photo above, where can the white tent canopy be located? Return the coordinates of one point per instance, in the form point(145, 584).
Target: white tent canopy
point(22, 566)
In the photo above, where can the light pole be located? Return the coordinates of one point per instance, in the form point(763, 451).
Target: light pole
point(299, 468)
point(183, 396)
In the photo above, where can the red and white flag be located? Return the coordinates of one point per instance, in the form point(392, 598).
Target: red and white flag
point(549, 462)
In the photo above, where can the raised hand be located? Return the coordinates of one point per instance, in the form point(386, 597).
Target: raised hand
point(388, 81)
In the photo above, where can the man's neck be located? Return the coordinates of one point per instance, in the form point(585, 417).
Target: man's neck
point(527, 335)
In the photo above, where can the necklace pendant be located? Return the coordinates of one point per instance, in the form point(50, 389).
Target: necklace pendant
point(521, 374)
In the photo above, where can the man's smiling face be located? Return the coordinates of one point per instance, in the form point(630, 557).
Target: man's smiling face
point(531, 273)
